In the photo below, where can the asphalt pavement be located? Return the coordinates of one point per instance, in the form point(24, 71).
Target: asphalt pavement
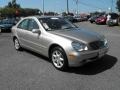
point(26, 70)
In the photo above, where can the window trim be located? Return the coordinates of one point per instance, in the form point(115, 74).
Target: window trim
point(29, 19)
point(34, 21)
point(22, 22)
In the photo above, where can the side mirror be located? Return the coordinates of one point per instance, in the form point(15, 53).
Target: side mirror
point(36, 31)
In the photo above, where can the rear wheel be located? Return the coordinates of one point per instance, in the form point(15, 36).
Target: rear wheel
point(59, 58)
point(17, 44)
point(0, 30)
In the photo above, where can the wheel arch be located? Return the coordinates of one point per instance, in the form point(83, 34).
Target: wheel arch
point(53, 46)
point(66, 62)
point(14, 37)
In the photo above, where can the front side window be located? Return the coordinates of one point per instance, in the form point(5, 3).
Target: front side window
point(24, 24)
point(32, 25)
point(55, 24)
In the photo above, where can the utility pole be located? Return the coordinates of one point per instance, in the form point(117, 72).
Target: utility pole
point(111, 6)
point(77, 6)
point(67, 6)
point(43, 8)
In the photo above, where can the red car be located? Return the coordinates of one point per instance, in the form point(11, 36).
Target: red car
point(101, 20)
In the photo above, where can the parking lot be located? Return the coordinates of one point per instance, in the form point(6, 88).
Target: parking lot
point(26, 70)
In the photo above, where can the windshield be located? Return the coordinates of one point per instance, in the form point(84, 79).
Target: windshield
point(6, 22)
point(114, 16)
point(55, 23)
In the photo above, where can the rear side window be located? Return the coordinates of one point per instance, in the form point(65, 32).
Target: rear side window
point(24, 24)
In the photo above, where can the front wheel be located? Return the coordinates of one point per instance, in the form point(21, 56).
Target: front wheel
point(59, 58)
point(91, 21)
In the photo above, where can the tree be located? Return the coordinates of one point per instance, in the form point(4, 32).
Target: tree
point(9, 4)
point(29, 12)
point(7, 12)
point(13, 4)
point(118, 5)
point(14, 10)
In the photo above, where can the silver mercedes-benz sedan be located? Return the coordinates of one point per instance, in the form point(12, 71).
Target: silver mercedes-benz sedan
point(61, 41)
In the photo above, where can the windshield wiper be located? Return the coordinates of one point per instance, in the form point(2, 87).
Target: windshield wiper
point(68, 27)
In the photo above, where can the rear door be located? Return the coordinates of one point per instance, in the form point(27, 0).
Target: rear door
point(22, 30)
point(27, 37)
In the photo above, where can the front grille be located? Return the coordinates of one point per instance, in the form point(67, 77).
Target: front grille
point(96, 45)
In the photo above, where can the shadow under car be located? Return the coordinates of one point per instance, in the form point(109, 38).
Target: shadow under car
point(91, 68)
point(95, 67)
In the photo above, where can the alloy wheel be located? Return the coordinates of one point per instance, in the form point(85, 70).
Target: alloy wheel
point(57, 59)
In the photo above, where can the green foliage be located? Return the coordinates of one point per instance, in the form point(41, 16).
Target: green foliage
point(29, 12)
point(12, 4)
point(13, 12)
point(5, 12)
point(118, 5)
point(13, 9)
point(10, 9)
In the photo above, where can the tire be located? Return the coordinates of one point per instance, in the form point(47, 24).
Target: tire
point(119, 23)
point(17, 44)
point(96, 23)
point(0, 30)
point(59, 58)
point(91, 21)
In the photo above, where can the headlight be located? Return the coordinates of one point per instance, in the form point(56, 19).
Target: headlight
point(105, 42)
point(102, 20)
point(79, 46)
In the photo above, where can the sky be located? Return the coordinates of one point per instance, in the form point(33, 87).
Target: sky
point(60, 5)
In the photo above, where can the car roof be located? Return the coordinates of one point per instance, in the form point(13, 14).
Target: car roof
point(43, 17)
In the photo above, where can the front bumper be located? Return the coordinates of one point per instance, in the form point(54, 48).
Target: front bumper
point(100, 22)
point(80, 58)
point(2, 29)
point(112, 22)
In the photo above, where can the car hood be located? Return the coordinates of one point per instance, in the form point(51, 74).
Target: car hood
point(6, 25)
point(78, 35)
point(101, 18)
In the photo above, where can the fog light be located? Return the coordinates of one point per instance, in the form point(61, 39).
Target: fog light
point(72, 57)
